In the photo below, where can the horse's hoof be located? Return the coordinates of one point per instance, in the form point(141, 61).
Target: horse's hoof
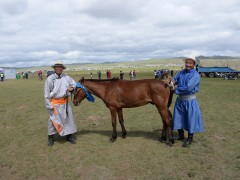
point(124, 135)
point(162, 139)
point(169, 143)
point(172, 141)
point(112, 139)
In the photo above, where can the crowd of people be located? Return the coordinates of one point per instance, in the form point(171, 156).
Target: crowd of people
point(132, 74)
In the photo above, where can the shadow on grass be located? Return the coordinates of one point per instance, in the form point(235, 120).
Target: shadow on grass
point(60, 139)
point(153, 135)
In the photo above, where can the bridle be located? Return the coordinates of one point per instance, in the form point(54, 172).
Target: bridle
point(74, 92)
point(88, 94)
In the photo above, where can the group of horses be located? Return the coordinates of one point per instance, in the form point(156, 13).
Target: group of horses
point(118, 94)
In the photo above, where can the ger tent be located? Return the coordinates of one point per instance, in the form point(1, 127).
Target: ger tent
point(1, 70)
point(8, 73)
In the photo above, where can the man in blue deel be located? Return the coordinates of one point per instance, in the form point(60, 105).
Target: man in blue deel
point(187, 115)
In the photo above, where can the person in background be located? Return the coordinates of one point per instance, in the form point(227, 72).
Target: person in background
point(91, 74)
point(57, 90)
point(134, 74)
point(155, 74)
point(187, 115)
point(99, 74)
point(121, 74)
point(40, 75)
point(26, 75)
point(131, 75)
point(2, 76)
point(109, 74)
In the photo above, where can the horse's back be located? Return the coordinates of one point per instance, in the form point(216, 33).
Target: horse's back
point(140, 84)
point(136, 93)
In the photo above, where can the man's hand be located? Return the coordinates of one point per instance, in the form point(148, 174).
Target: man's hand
point(70, 89)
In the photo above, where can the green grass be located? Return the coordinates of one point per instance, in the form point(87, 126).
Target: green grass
point(24, 154)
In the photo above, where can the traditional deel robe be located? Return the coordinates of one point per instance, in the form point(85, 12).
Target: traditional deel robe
point(187, 114)
point(61, 119)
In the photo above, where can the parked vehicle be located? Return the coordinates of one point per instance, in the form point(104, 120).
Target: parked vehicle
point(231, 76)
point(216, 71)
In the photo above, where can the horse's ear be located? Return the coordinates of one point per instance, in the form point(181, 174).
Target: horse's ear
point(82, 79)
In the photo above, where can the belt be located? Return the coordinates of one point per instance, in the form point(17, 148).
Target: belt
point(59, 101)
point(187, 97)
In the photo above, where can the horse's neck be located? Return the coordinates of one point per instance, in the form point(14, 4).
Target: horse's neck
point(96, 88)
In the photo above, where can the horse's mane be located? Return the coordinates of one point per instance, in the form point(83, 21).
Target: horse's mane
point(101, 80)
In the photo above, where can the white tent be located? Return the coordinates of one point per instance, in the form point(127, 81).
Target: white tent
point(9, 73)
point(1, 70)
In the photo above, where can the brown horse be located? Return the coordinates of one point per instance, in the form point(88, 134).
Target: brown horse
point(118, 94)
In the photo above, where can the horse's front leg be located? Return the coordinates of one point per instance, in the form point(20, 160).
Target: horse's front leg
point(121, 121)
point(167, 122)
point(114, 124)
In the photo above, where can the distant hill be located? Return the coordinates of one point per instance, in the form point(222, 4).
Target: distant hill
point(229, 61)
point(217, 57)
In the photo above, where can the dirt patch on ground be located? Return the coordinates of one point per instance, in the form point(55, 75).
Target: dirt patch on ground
point(96, 172)
point(219, 137)
point(92, 118)
point(23, 107)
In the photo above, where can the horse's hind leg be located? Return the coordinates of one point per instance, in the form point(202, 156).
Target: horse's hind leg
point(170, 131)
point(163, 136)
point(121, 121)
point(114, 124)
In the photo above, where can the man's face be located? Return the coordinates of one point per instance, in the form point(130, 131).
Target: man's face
point(58, 70)
point(189, 64)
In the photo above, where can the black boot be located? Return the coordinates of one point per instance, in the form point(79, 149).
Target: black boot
point(188, 141)
point(70, 139)
point(180, 135)
point(50, 140)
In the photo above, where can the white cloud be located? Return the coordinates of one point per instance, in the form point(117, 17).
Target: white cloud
point(88, 30)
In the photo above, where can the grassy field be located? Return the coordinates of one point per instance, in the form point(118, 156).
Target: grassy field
point(24, 154)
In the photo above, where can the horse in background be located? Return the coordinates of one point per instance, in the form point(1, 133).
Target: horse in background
point(118, 94)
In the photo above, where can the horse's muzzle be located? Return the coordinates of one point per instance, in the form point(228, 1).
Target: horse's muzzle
point(76, 103)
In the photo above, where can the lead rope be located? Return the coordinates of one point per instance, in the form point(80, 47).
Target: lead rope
point(66, 102)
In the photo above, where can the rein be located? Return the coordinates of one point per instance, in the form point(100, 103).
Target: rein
point(66, 102)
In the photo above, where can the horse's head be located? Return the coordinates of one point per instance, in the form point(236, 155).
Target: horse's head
point(79, 94)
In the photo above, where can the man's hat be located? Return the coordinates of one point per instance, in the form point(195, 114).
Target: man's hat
point(58, 64)
point(191, 58)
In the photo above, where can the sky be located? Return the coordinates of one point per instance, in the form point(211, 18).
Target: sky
point(40, 32)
